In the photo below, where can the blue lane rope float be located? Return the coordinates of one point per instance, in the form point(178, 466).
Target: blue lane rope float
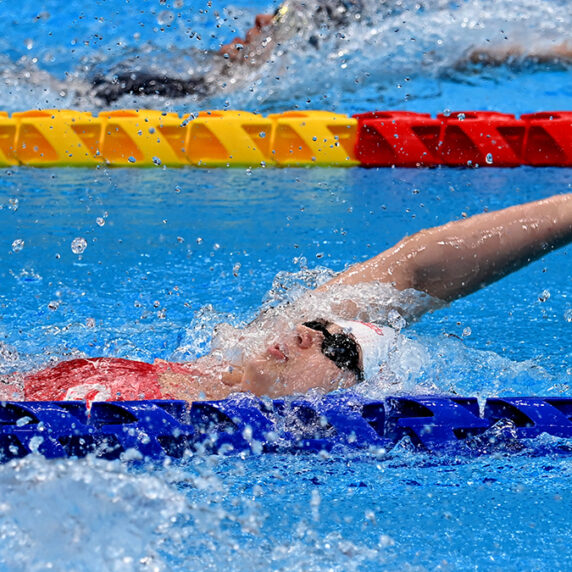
point(154, 430)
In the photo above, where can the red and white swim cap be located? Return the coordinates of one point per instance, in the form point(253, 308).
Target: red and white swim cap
point(374, 342)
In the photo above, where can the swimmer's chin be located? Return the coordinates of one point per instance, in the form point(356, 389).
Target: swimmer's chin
point(206, 379)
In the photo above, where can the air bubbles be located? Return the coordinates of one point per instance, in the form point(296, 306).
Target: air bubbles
point(461, 117)
point(100, 221)
point(18, 245)
point(467, 332)
point(568, 315)
point(78, 245)
point(489, 159)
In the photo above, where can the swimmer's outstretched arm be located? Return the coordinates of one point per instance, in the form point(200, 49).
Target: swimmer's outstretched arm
point(460, 257)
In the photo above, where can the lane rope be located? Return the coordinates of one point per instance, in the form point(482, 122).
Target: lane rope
point(147, 138)
point(154, 430)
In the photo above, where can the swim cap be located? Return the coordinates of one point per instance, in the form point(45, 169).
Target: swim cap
point(374, 342)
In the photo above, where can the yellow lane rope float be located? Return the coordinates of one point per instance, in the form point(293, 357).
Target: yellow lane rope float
point(129, 138)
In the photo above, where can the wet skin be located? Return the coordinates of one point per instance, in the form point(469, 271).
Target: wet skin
point(292, 363)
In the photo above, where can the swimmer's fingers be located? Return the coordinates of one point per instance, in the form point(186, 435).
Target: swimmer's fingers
point(235, 49)
point(263, 20)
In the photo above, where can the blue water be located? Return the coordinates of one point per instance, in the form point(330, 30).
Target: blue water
point(168, 253)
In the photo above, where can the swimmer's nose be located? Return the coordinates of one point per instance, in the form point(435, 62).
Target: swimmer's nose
point(306, 337)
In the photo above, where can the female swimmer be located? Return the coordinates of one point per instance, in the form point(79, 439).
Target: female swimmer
point(323, 341)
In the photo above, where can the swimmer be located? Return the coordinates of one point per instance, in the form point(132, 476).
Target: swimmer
point(293, 18)
point(323, 340)
point(308, 21)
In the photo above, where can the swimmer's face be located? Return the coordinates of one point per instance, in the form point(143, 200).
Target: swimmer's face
point(294, 364)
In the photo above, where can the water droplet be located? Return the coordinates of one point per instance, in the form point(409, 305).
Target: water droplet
point(544, 295)
point(568, 315)
point(132, 159)
point(461, 117)
point(18, 245)
point(165, 18)
point(262, 134)
point(199, 240)
point(35, 442)
point(467, 332)
point(216, 246)
point(447, 112)
point(489, 159)
point(100, 221)
point(238, 265)
point(396, 320)
point(78, 245)
point(156, 161)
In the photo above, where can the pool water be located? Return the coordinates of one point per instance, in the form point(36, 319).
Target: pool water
point(142, 264)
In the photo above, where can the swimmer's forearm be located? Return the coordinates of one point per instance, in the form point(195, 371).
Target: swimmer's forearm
point(455, 259)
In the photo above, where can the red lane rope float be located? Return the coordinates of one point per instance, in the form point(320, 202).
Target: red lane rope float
point(469, 138)
point(146, 138)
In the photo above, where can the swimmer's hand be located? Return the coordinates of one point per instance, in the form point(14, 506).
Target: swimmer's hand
point(241, 49)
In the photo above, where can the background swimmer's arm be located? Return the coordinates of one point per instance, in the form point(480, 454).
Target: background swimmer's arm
point(500, 54)
point(455, 259)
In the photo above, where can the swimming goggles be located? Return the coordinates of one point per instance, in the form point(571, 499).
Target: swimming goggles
point(341, 348)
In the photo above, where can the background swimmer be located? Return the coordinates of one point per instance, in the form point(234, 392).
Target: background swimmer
point(306, 24)
point(323, 340)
